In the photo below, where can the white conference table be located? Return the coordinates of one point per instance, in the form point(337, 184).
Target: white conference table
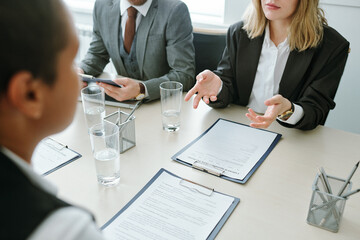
point(273, 203)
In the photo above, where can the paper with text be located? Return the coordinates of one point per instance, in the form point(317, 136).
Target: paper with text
point(49, 155)
point(233, 148)
point(169, 210)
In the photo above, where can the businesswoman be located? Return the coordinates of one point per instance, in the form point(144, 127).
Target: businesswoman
point(282, 61)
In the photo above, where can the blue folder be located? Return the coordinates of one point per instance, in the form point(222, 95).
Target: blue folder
point(214, 232)
point(246, 178)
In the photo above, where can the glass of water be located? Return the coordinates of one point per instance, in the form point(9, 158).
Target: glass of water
point(104, 138)
point(93, 100)
point(171, 98)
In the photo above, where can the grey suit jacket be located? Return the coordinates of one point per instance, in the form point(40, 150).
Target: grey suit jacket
point(164, 46)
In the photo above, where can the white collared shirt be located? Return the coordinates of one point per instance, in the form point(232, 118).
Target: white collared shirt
point(269, 72)
point(143, 10)
point(68, 223)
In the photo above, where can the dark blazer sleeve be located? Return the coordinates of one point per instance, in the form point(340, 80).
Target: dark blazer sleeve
point(317, 90)
point(237, 68)
point(226, 70)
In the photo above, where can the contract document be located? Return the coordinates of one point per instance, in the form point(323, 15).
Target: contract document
point(229, 149)
point(50, 155)
point(169, 207)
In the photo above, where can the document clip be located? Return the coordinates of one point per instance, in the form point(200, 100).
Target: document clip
point(53, 144)
point(215, 170)
point(196, 187)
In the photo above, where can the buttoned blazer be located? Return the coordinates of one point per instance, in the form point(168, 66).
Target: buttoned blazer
point(164, 45)
point(310, 78)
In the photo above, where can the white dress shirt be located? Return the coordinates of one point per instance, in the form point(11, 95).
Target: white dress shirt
point(270, 69)
point(68, 223)
point(143, 10)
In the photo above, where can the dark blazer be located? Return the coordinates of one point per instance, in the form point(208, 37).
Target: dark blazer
point(310, 77)
point(24, 206)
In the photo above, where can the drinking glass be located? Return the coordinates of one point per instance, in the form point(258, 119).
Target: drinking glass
point(93, 100)
point(171, 98)
point(104, 138)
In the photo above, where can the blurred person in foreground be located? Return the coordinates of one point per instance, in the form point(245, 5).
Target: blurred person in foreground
point(39, 87)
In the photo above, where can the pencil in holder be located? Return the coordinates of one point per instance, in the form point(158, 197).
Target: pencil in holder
point(326, 210)
point(126, 129)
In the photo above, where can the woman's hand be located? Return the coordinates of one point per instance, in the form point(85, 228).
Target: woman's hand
point(207, 87)
point(129, 89)
point(276, 106)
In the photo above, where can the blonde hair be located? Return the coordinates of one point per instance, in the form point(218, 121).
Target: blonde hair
point(306, 28)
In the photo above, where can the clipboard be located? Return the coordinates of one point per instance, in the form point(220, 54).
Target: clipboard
point(219, 225)
point(217, 170)
point(51, 146)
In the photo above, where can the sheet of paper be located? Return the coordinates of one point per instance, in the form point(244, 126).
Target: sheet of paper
point(169, 210)
point(49, 155)
point(231, 147)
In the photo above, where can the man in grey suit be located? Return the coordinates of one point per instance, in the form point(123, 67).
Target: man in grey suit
point(161, 49)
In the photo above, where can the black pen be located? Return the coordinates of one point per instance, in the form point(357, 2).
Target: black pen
point(342, 189)
point(325, 180)
point(129, 116)
point(351, 193)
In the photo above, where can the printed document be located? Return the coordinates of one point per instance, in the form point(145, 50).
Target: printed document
point(49, 155)
point(170, 208)
point(232, 149)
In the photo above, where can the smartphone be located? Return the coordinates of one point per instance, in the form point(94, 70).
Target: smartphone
point(90, 79)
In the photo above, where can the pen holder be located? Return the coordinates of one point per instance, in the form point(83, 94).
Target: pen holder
point(126, 129)
point(326, 210)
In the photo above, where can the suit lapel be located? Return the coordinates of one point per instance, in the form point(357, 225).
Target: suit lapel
point(143, 34)
point(248, 56)
point(114, 29)
point(296, 66)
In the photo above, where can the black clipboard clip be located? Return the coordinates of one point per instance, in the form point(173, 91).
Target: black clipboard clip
point(196, 187)
point(207, 167)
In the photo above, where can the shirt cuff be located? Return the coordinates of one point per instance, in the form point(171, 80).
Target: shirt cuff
point(146, 91)
point(220, 88)
point(296, 116)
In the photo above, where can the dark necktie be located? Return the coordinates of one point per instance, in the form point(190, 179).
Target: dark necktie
point(130, 28)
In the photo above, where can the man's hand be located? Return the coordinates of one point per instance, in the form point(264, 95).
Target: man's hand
point(207, 87)
point(83, 84)
point(129, 89)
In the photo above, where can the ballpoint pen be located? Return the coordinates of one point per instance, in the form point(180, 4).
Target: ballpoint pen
point(342, 189)
point(129, 116)
point(326, 184)
point(351, 193)
point(325, 180)
point(331, 204)
point(133, 110)
point(321, 195)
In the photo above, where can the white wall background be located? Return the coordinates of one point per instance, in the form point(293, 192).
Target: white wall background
point(343, 15)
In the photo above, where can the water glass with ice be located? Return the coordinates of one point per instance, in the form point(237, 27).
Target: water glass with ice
point(104, 138)
point(171, 98)
point(93, 100)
